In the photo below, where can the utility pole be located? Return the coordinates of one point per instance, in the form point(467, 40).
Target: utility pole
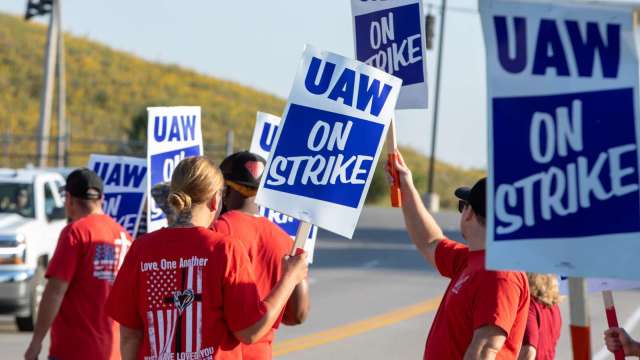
point(37, 8)
point(63, 136)
point(431, 196)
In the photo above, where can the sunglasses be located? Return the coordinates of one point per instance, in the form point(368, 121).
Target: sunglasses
point(461, 205)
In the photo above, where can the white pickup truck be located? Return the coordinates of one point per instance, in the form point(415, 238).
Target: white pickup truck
point(31, 218)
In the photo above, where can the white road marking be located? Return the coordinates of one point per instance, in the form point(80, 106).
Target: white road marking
point(629, 325)
point(370, 264)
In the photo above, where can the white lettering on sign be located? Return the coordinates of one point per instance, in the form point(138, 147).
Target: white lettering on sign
point(562, 191)
point(321, 169)
point(393, 57)
point(170, 164)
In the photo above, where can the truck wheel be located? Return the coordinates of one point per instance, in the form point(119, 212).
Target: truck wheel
point(27, 323)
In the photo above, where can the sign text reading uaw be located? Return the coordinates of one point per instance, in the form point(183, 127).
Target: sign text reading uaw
point(564, 135)
point(174, 133)
point(124, 180)
point(331, 136)
point(389, 36)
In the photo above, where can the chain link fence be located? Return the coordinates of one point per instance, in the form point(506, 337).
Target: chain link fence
point(20, 150)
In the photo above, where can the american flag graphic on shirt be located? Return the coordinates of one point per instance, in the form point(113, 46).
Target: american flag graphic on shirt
point(174, 316)
point(109, 257)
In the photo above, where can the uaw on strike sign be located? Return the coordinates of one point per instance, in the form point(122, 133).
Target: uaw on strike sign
point(173, 133)
point(563, 139)
point(332, 132)
point(125, 183)
point(389, 35)
point(264, 134)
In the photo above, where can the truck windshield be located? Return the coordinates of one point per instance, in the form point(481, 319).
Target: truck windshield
point(17, 199)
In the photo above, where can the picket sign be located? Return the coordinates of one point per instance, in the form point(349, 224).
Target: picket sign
point(612, 317)
point(390, 36)
point(124, 180)
point(264, 135)
point(329, 141)
point(579, 325)
point(564, 130)
point(173, 133)
point(392, 157)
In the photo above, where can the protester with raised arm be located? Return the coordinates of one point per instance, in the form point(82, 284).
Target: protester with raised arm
point(483, 313)
point(266, 242)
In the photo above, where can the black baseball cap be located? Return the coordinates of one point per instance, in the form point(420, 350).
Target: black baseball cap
point(475, 196)
point(244, 168)
point(84, 184)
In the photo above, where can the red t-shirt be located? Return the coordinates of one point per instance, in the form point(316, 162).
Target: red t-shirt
point(543, 329)
point(187, 290)
point(266, 243)
point(475, 298)
point(88, 255)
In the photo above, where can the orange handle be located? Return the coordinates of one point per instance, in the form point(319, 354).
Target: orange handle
point(581, 342)
point(396, 196)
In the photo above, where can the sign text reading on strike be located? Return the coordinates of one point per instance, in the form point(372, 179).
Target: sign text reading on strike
point(391, 45)
point(326, 156)
point(579, 165)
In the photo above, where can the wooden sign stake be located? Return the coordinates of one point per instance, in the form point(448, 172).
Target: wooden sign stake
point(301, 237)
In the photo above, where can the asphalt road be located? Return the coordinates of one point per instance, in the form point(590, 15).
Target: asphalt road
point(374, 297)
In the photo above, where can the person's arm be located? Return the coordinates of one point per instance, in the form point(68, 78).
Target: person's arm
point(527, 352)
point(617, 338)
point(297, 309)
point(49, 306)
point(130, 340)
point(295, 272)
point(486, 343)
point(423, 230)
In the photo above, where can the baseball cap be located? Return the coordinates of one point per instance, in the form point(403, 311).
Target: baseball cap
point(475, 196)
point(84, 184)
point(244, 168)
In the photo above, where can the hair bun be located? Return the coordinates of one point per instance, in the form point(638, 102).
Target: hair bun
point(179, 201)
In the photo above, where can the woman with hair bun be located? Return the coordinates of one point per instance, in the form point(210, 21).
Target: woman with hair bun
point(544, 322)
point(187, 292)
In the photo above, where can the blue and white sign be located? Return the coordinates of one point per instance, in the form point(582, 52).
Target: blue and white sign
point(264, 135)
point(173, 133)
point(563, 139)
point(331, 135)
point(125, 184)
point(389, 35)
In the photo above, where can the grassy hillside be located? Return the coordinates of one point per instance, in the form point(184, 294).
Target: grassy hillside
point(109, 90)
point(106, 89)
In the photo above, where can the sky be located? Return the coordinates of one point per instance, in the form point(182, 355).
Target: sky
point(260, 43)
